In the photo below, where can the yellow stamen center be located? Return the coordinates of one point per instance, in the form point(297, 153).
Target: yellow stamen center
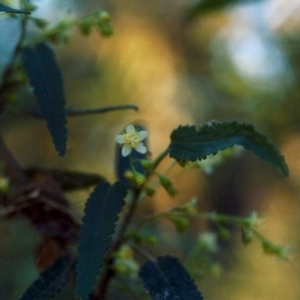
point(132, 139)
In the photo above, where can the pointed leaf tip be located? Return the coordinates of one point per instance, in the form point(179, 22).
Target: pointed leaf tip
point(167, 279)
point(101, 214)
point(8, 9)
point(191, 143)
point(51, 280)
point(45, 78)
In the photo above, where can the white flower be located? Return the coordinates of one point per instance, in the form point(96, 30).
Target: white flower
point(254, 220)
point(131, 139)
point(208, 241)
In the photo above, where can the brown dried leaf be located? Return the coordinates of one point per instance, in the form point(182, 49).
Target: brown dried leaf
point(48, 211)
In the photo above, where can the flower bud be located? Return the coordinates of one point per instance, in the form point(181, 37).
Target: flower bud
point(152, 240)
point(171, 191)
point(146, 164)
point(40, 23)
point(125, 252)
point(224, 233)
point(85, 27)
point(181, 224)
point(189, 207)
point(208, 241)
point(104, 17)
point(167, 185)
point(149, 191)
point(165, 181)
point(246, 236)
point(106, 29)
point(139, 179)
point(129, 175)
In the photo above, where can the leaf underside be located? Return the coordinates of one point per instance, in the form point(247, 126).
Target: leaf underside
point(8, 9)
point(101, 214)
point(189, 143)
point(52, 280)
point(166, 279)
point(45, 78)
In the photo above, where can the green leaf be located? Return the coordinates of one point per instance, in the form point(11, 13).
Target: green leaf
point(190, 143)
point(206, 6)
point(8, 9)
point(101, 214)
point(45, 77)
point(166, 279)
point(52, 280)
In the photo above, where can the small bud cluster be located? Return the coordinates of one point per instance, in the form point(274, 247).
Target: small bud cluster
point(137, 178)
point(124, 262)
point(281, 252)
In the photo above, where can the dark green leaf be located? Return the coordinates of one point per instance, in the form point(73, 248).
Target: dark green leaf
point(190, 143)
point(46, 80)
point(68, 180)
point(101, 214)
point(12, 10)
point(166, 279)
point(205, 6)
point(51, 281)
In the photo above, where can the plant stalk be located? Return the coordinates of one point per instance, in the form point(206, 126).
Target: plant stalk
point(108, 272)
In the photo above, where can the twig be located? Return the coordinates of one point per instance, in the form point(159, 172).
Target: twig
point(159, 158)
point(107, 268)
point(74, 112)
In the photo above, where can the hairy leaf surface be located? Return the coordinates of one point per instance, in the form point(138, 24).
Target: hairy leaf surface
point(166, 279)
point(8, 9)
point(190, 143)
point(101, 215)
point(45, 78)
point(51, 281)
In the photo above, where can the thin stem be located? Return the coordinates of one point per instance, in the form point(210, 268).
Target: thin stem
point(212, 216)
point(131, 164)
point(108, 273)
point(73, 112)
point(5, 212)
point(159, 158)
point(128, 216)
point(143, 253)
point(167, 170)
point(149, 220)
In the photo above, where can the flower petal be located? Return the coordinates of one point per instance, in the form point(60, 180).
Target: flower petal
point(120, 139)
point(142, 134)
point(130, 128)
point(126, 150)
point(141, 148)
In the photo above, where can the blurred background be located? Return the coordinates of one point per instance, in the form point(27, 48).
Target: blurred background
point(180, 62)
